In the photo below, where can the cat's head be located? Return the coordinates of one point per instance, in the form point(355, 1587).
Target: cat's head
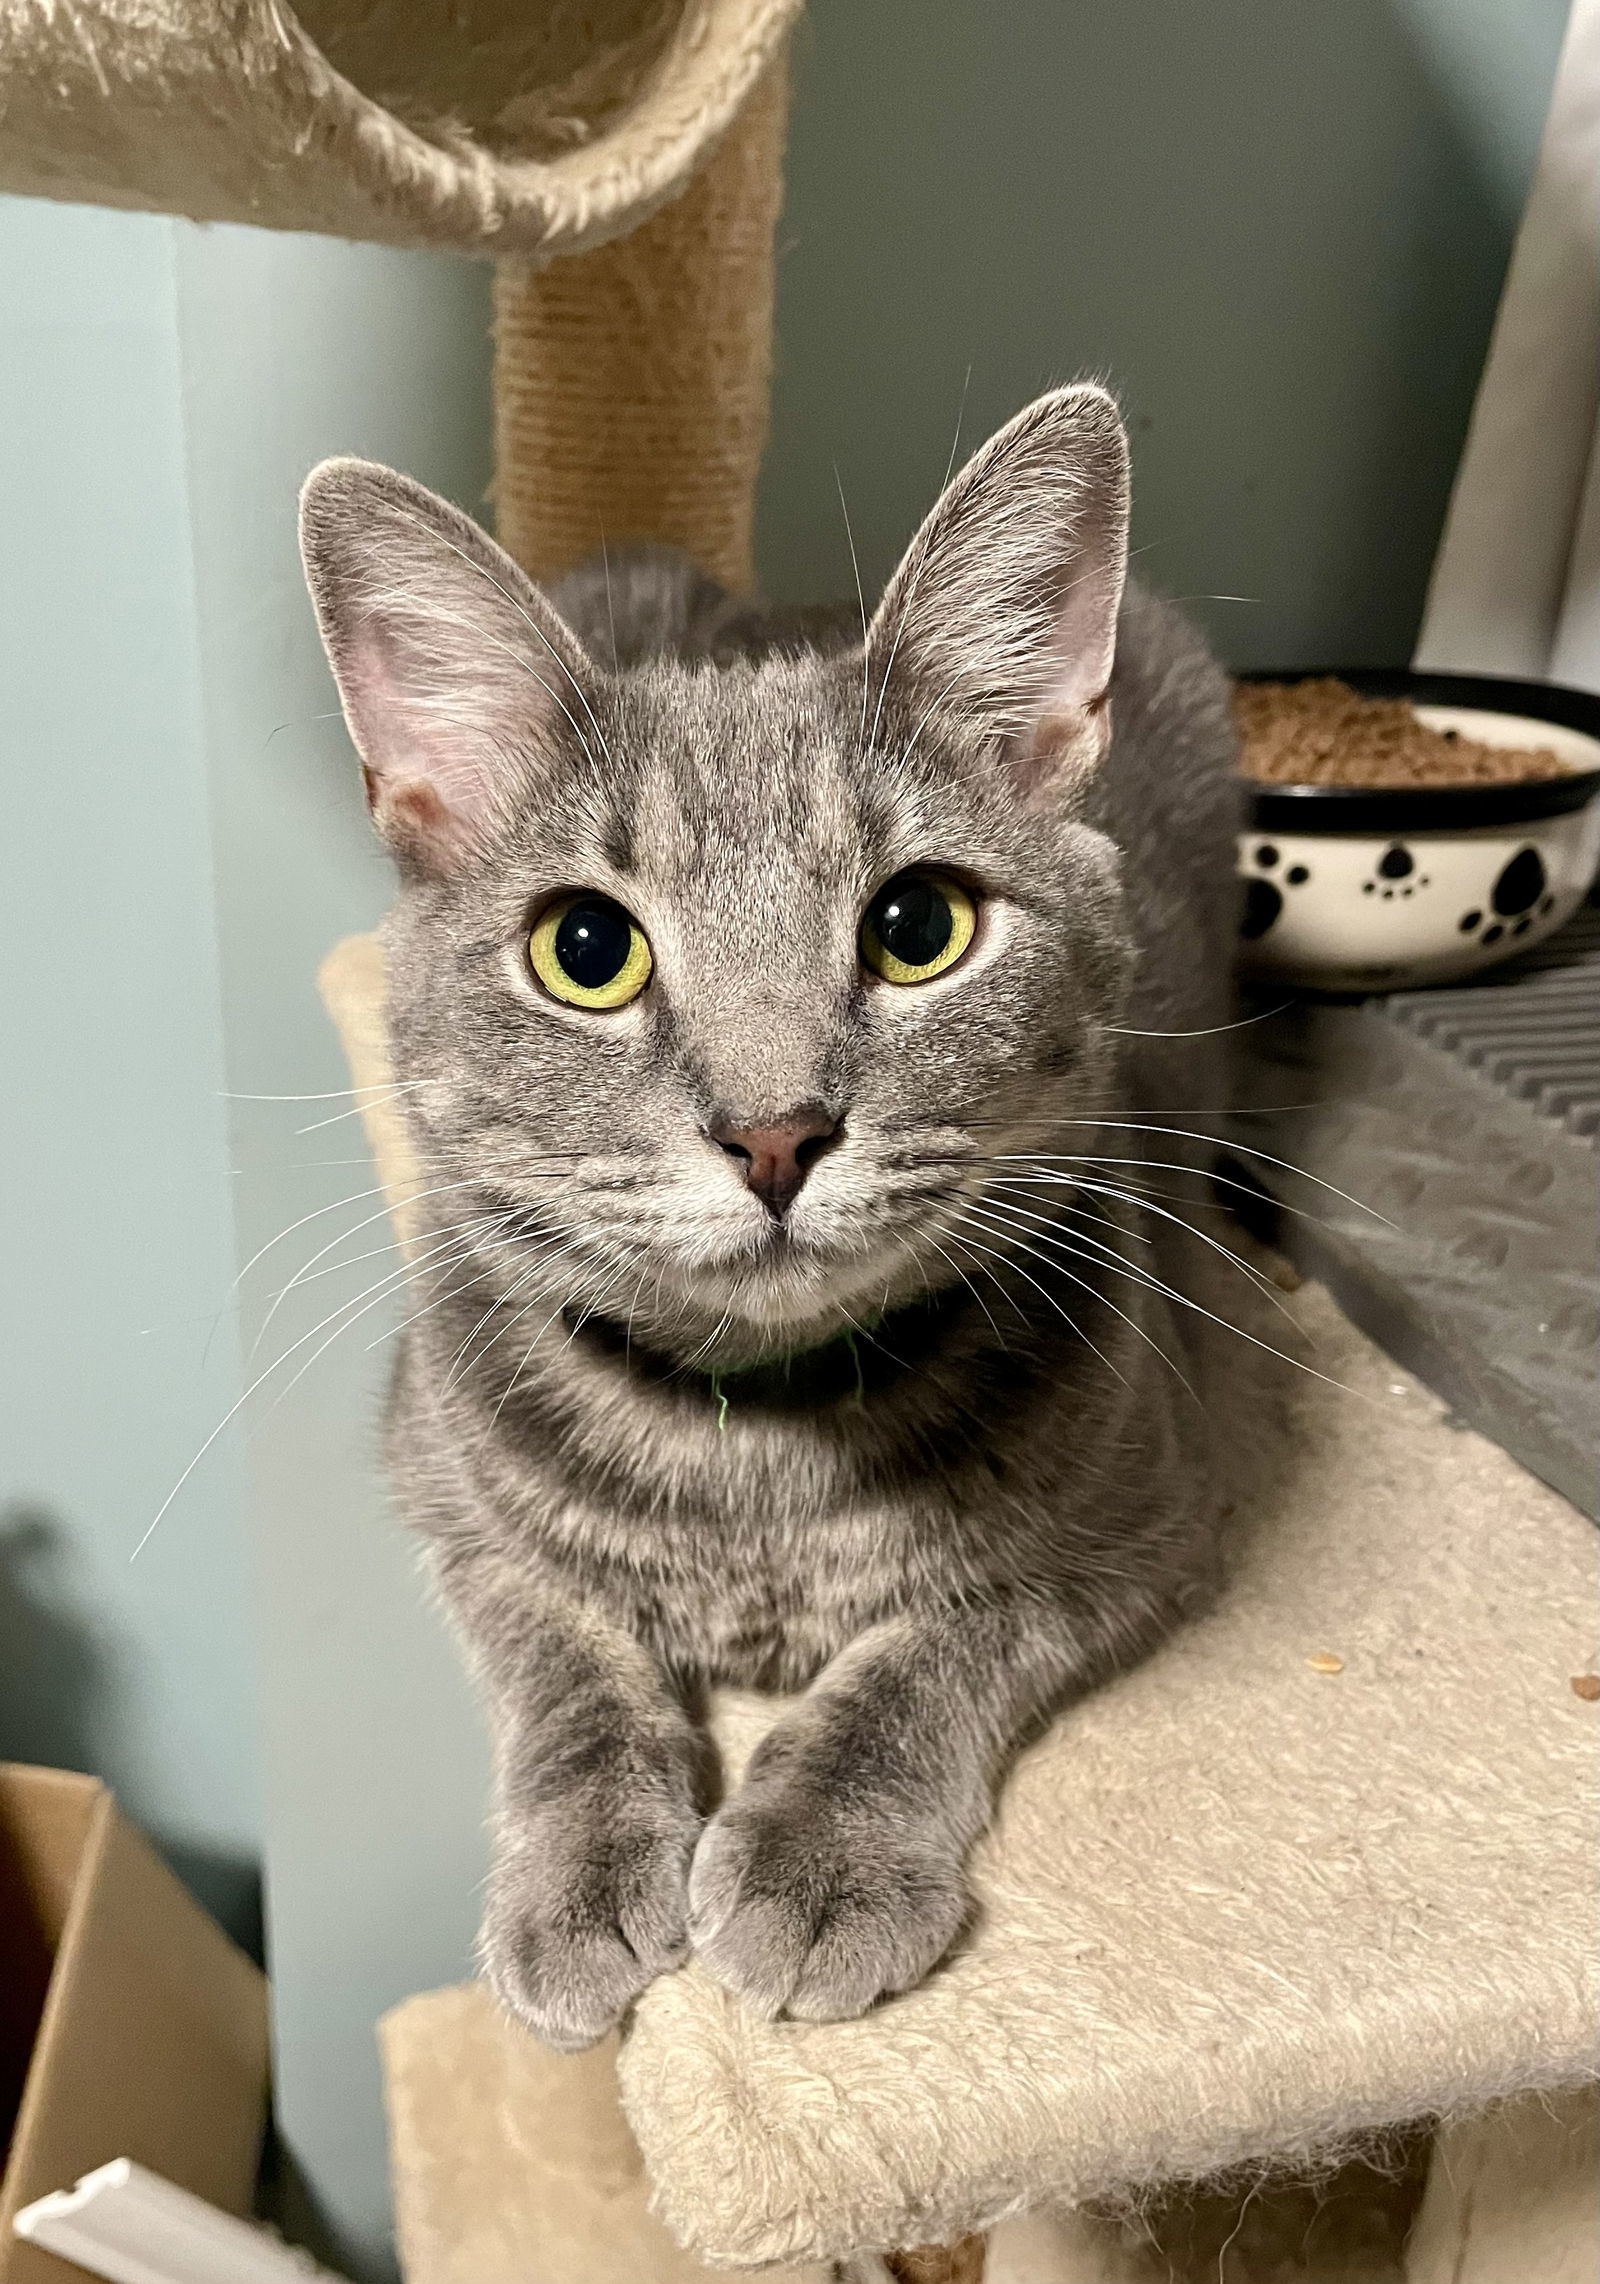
point(729, 980)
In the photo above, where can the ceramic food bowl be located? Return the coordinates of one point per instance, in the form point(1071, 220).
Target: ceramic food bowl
point(1359, 888)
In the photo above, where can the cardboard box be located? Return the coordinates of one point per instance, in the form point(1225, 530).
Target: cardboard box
point(130, 2026)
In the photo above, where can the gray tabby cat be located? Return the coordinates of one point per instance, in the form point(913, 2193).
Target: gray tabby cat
point(775, 1019)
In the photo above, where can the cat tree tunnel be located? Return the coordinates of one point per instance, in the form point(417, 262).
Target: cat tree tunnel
point(644, 137)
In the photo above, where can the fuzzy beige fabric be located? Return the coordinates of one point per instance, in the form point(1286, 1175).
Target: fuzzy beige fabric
point(1235, 1907)
point(489, 127)
point(1325, 1863)
point(351, 983)
point(513, 2165)
point(631, 385)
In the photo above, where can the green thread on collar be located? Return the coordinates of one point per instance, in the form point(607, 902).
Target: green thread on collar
point(838, 1357)
point(859, 1396)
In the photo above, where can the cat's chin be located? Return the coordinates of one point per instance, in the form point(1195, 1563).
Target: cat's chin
point(792, 1297)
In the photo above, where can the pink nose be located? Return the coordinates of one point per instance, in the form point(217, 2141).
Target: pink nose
point(775, 1158)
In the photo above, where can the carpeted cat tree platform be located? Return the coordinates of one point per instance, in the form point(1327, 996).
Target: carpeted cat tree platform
point(1322, 1869)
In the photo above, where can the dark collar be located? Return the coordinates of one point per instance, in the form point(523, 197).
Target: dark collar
point(849, 1368)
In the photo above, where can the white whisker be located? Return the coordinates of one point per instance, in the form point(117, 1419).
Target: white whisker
point(860, 597)
point(354, 1260)
point(343, 1238)
point(448, 1259)
point(330, 1094)
point(1049, 1298)
point(1096, 1294)
point(1189, 1134)
point(1247, 1269)
point(317, 1214)
point(911, 584)
point(1184, 1301)
point(967, 1281)
point(550, 1250)
point(356, 1110)
point(1212, 1031)
point(611, 608)
point(378, 1291)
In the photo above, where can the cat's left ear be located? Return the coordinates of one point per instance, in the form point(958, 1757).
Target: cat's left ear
point(461, 682)
point(1003, 613)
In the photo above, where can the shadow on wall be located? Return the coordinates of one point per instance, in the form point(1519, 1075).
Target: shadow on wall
point(50, 1659)
point(60, 1685)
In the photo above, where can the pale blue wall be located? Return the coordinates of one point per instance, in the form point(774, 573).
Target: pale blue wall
point(1278, 227)
point(115, 1189)
point(184, 839)
point(292, 349)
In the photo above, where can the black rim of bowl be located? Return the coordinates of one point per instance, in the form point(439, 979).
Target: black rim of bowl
point(1434, 808)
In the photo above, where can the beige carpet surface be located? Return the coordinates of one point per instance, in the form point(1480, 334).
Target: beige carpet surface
point(513, 2165)
point(1241, 1904)
point(1325, 1863)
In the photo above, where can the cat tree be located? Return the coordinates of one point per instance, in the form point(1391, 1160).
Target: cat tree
point(645, 136)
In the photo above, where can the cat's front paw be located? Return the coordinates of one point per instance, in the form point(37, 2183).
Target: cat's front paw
point(803, 1916)
point(585, 1908)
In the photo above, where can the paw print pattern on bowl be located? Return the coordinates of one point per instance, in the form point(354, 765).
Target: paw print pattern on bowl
point(1396, 874)
point(1316, 912)
point(1519, 899)
point(1351, 888)
point(1263, 897)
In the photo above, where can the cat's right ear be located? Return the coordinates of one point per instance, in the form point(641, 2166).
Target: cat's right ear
point(459, 680)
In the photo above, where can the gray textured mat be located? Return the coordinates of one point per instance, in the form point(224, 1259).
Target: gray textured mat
point(1532, 1028)
point(1467, 1122)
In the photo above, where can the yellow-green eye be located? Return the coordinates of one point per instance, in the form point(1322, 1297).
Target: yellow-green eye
point(587, 951)
point(916, 926)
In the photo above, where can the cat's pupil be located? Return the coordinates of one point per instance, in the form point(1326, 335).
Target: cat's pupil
point(593, 941)
point(913, 920)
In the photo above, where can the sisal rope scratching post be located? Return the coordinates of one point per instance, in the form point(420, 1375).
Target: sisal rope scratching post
point(631, 383)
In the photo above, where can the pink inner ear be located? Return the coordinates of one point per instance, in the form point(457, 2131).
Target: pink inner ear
point(1084, 639)
point(418, 824)
point(1072, 728)
point(1065, 743)
point(414, 740)
point(415, 809)
point(427, 778)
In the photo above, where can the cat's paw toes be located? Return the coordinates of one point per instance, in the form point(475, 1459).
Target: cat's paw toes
point(802, 1918)
point(573, 1932)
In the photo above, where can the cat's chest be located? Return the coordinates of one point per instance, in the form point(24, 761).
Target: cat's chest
point(756, 1595)
point(747, 1551)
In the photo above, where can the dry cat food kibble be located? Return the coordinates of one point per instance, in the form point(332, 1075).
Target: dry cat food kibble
point(1321, 732)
